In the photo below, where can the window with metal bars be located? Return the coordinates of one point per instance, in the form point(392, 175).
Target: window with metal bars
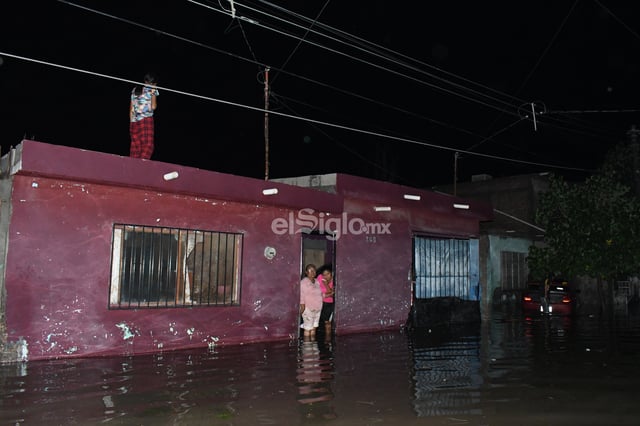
point(514, 270)
point(158, 267)
point(445, 267)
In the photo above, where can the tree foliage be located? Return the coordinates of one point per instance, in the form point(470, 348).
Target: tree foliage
point(592, 229)
point(622, 163)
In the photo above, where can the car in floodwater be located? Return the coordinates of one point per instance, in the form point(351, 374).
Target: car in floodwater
point(561, 298)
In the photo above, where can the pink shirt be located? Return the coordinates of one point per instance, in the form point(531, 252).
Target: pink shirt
point(310, 294)
point(325, 287)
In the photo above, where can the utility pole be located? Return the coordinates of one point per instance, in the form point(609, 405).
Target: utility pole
point(455, 172)
point(266, 123)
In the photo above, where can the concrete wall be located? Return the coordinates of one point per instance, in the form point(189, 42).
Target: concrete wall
point(58, 271)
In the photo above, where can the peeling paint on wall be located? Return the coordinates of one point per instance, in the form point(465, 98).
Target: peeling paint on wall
point(212, 342)
point(126, 332)
point(71, 350)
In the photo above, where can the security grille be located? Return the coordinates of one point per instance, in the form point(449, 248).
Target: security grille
point(445, 267)
point(514, 270)
point(154, 267)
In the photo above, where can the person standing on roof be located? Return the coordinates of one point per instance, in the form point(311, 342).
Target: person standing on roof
point(141, 108)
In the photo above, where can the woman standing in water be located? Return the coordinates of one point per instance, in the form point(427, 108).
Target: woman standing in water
point(310, 302)
point(326, 285)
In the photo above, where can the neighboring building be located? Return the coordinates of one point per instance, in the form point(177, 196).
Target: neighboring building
point(505, 241)
point(110, 255)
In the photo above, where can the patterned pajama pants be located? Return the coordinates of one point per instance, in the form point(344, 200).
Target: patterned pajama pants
point(141, 138)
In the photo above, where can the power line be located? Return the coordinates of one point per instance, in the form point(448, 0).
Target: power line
point(305, 119)
point(184, 39)
point(620, 21)
point(262, 64)
point(203, 45)
point(493, 135)
point(546, 50)
point(534, 68)
point(284, 64)
point(368, 44)
point(366, 62)
point(346, 92)
point(347, 148)
point(593, 111)
point(390, 59)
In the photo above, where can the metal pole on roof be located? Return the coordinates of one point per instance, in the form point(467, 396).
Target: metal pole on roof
point(266, 123)
point(455, 172)
point(533, 113)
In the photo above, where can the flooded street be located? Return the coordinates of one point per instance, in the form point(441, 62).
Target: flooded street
point(510, 371)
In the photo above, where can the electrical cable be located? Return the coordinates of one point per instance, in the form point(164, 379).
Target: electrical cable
point(305, 119)
point(415, 69)
point(284, 64)
point(620, 21)
point(385, 49)
point(209, 47)
point(347, 148)
point(593, 111)
point(380, 67)
point(329, 86)
point(546, 50)
point(382, 48)
point(303, 78)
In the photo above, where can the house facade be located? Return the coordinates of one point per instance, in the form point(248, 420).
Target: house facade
point(109, 255)
point(425, 258)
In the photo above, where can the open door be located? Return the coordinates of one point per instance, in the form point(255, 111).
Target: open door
point(320, 249)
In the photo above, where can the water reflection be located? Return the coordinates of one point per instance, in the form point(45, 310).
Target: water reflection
point(314, 375)
point(446, 370)
point(512, 370)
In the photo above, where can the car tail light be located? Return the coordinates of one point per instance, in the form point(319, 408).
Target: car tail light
point(566, 300)
point(528, 299)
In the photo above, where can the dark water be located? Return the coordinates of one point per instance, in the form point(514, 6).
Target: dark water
point(510, 371)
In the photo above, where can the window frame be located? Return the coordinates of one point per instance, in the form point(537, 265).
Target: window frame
point(149, 265)
point(513, 270)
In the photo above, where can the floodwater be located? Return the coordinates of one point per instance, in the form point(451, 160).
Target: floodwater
point(509, 371)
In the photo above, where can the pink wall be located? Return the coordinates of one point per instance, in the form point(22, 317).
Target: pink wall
point(58, 270)
point(64, 203)
point(373, 271)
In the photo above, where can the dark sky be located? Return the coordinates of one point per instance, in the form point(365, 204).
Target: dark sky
point(392, 91)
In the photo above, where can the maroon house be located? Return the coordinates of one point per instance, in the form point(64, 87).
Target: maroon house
point(111, 255)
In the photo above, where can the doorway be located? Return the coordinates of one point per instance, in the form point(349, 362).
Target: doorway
point(320, 250)
point(446, 286)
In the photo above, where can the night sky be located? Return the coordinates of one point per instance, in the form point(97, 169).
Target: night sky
point(387, 91)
